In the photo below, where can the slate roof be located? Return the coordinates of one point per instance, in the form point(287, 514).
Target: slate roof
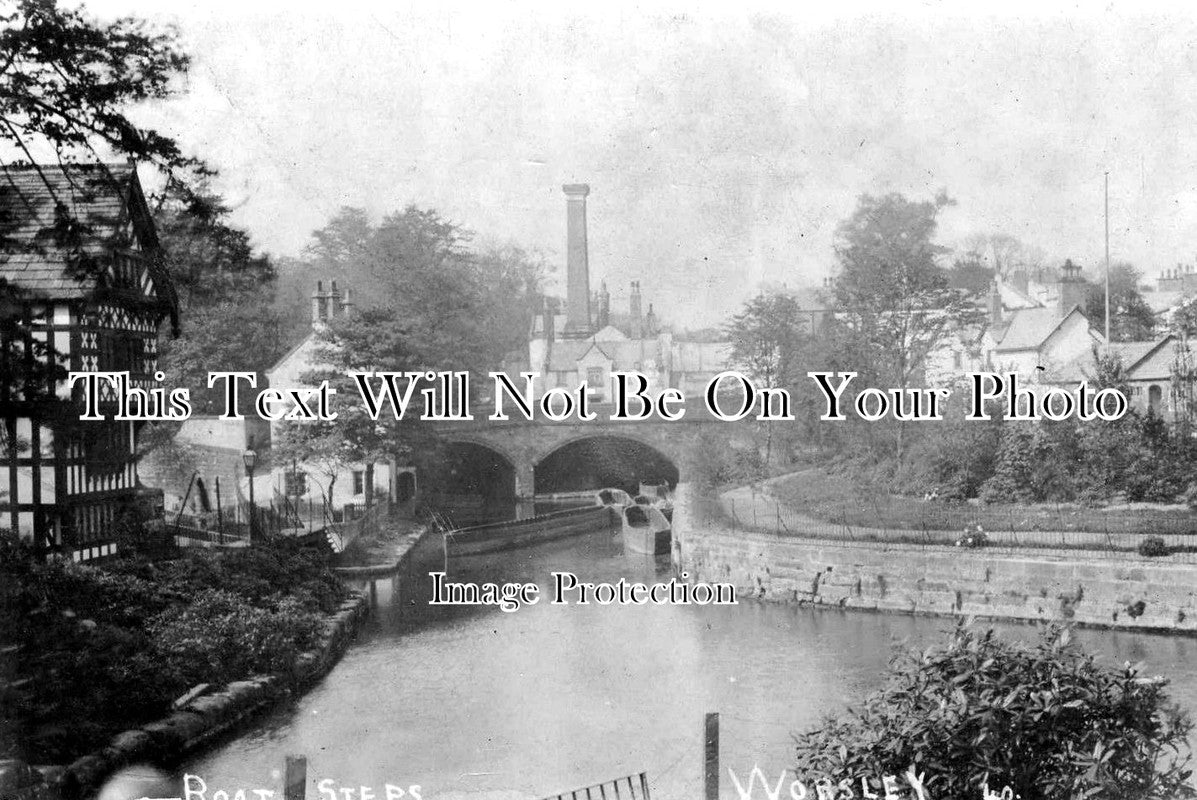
point(1029, 328)
point(1133, 354)
point(49, 215)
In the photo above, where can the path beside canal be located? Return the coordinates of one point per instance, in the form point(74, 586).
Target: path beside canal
point(757, 507)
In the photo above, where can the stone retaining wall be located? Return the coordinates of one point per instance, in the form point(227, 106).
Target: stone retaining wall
point(1133, 592)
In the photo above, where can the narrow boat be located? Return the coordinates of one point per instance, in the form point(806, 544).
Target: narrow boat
point(645, 530)
point(613, 497)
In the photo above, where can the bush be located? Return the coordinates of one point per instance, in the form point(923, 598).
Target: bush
point(108, 646)
point(1153, 547)
point(220, 637)
point(1044, 720)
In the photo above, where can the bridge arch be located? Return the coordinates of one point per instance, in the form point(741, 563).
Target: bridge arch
point(592, 461)
point(469, 466)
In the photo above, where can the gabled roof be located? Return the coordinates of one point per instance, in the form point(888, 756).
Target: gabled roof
point(52, 216)
point(1014, 298)
point(1029, 328)
point(1133, 355)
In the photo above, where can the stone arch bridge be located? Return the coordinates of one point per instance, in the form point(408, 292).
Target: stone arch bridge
point(526, 444)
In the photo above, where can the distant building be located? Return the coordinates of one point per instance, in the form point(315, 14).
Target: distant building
point(1022, 335)
point(96, 297)
point(589, 341)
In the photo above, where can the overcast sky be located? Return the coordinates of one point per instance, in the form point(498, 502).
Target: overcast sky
point(723, 142)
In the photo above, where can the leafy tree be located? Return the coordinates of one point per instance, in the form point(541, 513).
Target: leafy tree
point(970, 273)
point(1045, 720)
point(240, 334)
point(1183, 321)
point(767, 338)
point(211, 262)
point(67, 82)
point(1131, 319)
point(893, 299)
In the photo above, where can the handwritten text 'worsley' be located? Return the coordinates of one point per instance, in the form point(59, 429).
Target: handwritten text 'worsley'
point(729, 396)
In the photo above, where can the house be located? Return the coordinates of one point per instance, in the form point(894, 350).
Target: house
point(1149, 367)
point(85, 285)
point(334, 485)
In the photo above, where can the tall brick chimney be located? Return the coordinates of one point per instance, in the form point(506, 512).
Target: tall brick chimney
point(577, 310)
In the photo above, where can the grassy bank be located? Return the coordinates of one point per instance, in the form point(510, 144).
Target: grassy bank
point(838, 498)
point(94, 650)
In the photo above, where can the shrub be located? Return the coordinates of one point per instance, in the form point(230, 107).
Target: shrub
point(1044, 720)
point(220, 637)
point(1153, 547)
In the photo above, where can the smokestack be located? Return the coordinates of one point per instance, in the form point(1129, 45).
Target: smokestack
point(577, 312)
point(634, 310)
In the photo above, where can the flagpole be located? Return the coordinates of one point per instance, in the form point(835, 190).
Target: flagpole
point(1107, 260)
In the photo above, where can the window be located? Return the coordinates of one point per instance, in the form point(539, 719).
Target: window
point(296, 483)
point(359, 482)
point(594, 379)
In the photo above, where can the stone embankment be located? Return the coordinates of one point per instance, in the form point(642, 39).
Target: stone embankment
point(1112, 590)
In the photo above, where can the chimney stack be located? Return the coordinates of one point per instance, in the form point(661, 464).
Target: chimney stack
point(995, 304)
point(334, 301)
point(577, 312)
point(319, 305)
point(634, 311)
point(1072, 288)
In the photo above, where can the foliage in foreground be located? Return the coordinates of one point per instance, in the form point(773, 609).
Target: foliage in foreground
point(1045, 720)
point(104, 648)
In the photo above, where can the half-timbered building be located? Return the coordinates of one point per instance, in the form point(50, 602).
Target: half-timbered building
point(83, 288)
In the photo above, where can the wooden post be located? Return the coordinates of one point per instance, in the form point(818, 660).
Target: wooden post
point(219, 512)
point(710, 756)
point(295, 782)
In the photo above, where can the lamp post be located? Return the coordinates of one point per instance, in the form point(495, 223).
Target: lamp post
point(251, 459)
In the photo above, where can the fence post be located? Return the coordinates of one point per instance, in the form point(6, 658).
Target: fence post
point(219, 513)
point(296, 778)
point(710, 756)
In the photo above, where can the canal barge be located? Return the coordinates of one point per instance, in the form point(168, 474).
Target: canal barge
point(526, 532)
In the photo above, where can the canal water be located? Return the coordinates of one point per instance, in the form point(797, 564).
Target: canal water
point(478, 703)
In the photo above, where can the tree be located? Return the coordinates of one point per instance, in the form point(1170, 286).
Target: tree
point(67, 82)
point(225, 293)
point(240, 334)
point(767, 338)
point(893, 299)
point(211, 262)
point(970, 274)
point(1131, 319)
point(1045, 720)
point(1003, 252)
